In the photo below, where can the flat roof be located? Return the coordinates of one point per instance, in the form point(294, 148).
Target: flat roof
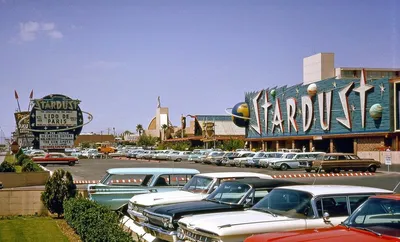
point(152, 170)
point(319, 190)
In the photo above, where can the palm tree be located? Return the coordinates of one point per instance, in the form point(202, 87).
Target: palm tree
point(139, 129)
point(164, 127)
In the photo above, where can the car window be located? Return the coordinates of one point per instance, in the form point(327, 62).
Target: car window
point(229, 192)
point(335, 206)
point(356, 201)
point(175, 180)
point(342, 157)
point(128, 180)
point(198, 184)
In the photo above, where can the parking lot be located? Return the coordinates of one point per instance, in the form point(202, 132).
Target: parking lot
point(94, 169)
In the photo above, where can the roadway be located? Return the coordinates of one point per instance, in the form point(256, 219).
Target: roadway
point(94, 169)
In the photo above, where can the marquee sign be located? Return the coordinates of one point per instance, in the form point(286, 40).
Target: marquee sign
point(23, 127)
point(55, 121)
point(332, 106)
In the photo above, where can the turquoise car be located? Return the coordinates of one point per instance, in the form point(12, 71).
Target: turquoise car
point(121, 184)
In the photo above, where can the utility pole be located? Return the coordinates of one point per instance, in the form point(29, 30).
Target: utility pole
point(108, 131)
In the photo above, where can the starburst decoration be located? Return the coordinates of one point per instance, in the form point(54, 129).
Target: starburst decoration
point(297, 91)
point(299, 111)
point(334, 84)
point(382, 87)
point(353, 108)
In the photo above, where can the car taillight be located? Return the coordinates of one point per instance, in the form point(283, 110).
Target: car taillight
point(92, 190)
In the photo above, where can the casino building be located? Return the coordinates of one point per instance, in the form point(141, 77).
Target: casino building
point(333, 109)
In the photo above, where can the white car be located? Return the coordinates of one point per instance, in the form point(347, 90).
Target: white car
point(292, 160)
point(283, 209)
point(198, 188)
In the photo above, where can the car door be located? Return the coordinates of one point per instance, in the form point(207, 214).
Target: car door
point(335, 206)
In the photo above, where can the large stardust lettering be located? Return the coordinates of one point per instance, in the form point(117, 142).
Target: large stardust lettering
point(307, 111)
point(328, 107)
point(277, 120)
point(363, 89)
point(257, 112)
point(291, 107)
point(346, 121)
point(266, 106)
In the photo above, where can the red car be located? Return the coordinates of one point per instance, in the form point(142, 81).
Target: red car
point(56, 158)
point(378, 219)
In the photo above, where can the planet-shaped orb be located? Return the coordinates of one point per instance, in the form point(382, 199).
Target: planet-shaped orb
point(376, 111)
point(273, 92)
point(241, 115)
point(312, 89)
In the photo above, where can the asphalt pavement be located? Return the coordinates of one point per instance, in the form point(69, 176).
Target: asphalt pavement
point(94, 169)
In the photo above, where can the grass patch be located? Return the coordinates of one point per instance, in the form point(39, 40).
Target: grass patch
point(34, 229)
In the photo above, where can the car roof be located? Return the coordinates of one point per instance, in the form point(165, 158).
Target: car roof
point(260, 183)
point(152, 170)
point(320, 190)
point(391, 197)
point(339, 154)
point(234, 174)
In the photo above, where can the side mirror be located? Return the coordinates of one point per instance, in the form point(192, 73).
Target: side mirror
point(326, 217)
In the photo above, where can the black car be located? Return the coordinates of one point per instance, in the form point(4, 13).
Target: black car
point(161, 221)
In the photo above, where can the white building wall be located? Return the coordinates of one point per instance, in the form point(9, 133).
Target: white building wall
point(318, 67)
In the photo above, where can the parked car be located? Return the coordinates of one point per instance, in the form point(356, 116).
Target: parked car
point(162, 221)
point(214, 157)
point(198, 188)
point(378, 219)
point(244, 157)
point(335, 162)
point(55, 158)
point(36, 153)
point(179, 156)
point(120, 184)
point(283, 209)
point(254, 161)
point(227, 157)
point(292, 160)
point(264, 162)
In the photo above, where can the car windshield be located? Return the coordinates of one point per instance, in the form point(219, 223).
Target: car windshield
point(259, 155)
point(198, 184)
point(229, 192)
point(286, 202)
point(377, 215)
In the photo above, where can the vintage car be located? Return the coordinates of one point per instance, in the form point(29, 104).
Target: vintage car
point(55, 158)
point(214, 157)
point(378, 219)
point(198, 188)
point(283, 209)
point(264, 162)
point(162, 221)
point(121, 184)
point(228, 156)
point(335, 162)
point(292, 160)
point(253, 161)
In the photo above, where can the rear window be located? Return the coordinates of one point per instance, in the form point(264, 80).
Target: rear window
point(128, 180)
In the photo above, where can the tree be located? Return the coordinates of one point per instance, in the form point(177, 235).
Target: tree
point(58, 188)
point(139, 129)
point(147, 140)
point(233, 144)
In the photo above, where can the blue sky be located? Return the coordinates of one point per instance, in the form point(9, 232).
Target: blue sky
point(199, 56)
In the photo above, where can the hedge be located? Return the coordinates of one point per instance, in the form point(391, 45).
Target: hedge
point(94, 222)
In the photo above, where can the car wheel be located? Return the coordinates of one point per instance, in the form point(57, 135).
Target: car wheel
point(71, 163)
point(336, 170)
point(372, 168)
point(284, 167)
point(308, 170)
point(179, 160)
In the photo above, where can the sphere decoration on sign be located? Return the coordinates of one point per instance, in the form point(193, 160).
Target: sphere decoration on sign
point(273, 93)
point(376, 111)
point(55, 121)
point(312, 89)
point(240, 114)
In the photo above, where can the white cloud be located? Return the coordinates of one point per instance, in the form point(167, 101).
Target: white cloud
point(104, 65)
point(29, 31)
point(55, 34)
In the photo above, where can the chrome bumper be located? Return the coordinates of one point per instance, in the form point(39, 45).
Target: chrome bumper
point(137, 217)
point(160, 232)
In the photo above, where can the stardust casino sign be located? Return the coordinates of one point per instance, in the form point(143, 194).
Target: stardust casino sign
point(333, 106)
point(56, 120)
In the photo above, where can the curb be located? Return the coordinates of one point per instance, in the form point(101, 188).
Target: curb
point(324, 175)
point(44, 168)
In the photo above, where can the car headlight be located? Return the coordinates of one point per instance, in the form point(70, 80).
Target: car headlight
point(167, 223)
point(180, 234)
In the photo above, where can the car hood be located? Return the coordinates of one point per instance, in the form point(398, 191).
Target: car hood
point(338, 233)
point(233, 223)
point(158, 198)
point(178, 210)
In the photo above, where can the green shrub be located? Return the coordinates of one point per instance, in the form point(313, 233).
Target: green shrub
point(30, 166)
point(19, 153)
point(7, 167)
point(58, 188)
point(94, 222)
point(21, 159)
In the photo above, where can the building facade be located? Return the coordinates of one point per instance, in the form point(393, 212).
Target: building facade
point(330, 111)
